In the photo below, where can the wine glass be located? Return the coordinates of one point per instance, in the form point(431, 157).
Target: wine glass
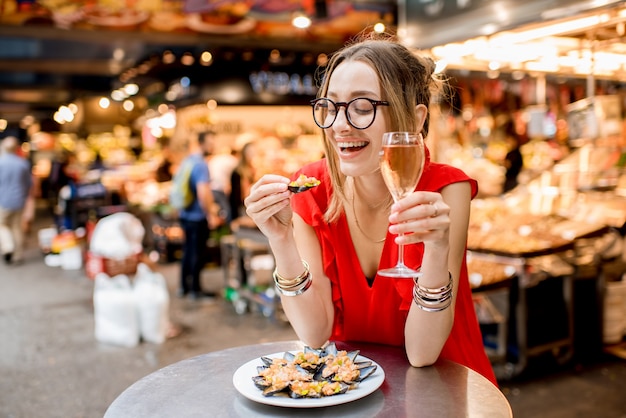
point(401, 165)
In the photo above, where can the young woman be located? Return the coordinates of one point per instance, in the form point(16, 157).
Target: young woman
point(330, 241)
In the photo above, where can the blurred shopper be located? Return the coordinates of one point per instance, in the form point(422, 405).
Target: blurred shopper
point(221, 166)
point(241, 180)
point(513, 161)
point(15, 186)
point(165, 168)
point(197, 219)
point(61, 175)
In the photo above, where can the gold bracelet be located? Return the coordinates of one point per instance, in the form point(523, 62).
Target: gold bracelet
point(296, 290)
point(433, 299)
point(287, 283)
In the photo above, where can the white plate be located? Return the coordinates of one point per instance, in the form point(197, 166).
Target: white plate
point(242, 379)
point(195, 22)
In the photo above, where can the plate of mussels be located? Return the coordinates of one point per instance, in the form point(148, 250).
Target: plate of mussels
point(309, 378)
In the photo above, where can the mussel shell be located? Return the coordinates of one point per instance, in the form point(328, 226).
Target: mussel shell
point(299, 189)
point(343, 389)
point(308, 349)
point(261, 382)
point(296, 394)
point(319, 373)
point(362, 364)
point(365, 372)
point(273, 390)
point(331, 348)
point(352, 355)
point(268, 361)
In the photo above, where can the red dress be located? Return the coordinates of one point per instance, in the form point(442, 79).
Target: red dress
point(377, 314)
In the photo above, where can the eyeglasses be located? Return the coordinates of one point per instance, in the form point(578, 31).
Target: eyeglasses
point(360, 112)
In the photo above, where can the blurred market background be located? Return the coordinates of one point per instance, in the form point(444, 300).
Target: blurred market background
point(113, 90)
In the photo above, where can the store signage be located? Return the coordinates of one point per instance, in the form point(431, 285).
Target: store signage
point(428, 23)
point(282, 83)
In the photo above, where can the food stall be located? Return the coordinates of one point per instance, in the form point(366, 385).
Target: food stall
point(549, 248)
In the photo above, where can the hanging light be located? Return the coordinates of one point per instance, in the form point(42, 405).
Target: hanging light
point(379, 27)
point(187, 59)
point(301, 21)
point(104, 103)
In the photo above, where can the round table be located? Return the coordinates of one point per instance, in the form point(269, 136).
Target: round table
point(202, 386)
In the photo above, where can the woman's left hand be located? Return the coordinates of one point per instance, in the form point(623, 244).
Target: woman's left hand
point(421, 217)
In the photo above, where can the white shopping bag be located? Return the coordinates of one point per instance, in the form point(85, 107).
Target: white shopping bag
point(114, 311)
point(117, 236)
point(152, 303)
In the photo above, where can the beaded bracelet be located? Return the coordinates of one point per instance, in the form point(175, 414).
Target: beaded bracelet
point(433, 299)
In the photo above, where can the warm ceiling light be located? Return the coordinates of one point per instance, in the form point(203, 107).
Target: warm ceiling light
point(66, 114)
point(58, 118)
point(206, 58)
point(507, 38)
point(187, 59)
point(379, 27)
point(301, 21)
point(128, 105)
point(104, 103)
point(274, 55)
point(168, 57)
point(131, 89)
point(118, 95)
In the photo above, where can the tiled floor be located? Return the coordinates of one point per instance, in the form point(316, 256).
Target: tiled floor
point(52, 366)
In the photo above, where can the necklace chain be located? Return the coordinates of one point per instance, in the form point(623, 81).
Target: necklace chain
point(356, 220)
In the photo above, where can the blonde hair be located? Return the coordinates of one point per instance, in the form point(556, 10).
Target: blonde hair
point(406, 80)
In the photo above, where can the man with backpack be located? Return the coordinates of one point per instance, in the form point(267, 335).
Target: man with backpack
point(196, 217)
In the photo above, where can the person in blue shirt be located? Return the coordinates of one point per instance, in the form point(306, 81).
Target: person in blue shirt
point(15, 185)
point(197, 219)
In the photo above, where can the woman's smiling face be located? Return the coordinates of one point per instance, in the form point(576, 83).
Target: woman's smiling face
point(358, 150)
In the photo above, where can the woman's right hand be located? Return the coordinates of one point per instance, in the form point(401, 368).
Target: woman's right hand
point(268, 205)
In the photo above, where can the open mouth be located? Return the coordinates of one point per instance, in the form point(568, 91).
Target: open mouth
point(352, 146)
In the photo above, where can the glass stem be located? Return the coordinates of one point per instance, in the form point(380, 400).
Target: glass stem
point(400, 252)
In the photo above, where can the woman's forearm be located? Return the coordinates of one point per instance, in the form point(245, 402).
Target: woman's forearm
point(307, 312)
point(426, 332)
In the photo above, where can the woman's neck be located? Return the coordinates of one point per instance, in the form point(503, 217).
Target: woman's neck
point(371, 193)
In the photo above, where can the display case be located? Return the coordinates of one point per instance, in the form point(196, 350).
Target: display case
point(549, 244)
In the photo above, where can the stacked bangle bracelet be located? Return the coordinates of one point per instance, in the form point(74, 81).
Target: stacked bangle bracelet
point(433, 299)
point(296, 286)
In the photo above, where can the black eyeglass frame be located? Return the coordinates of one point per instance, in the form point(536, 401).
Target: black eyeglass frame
point(338, 105)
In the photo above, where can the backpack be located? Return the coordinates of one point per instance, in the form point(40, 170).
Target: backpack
point(181, 195)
